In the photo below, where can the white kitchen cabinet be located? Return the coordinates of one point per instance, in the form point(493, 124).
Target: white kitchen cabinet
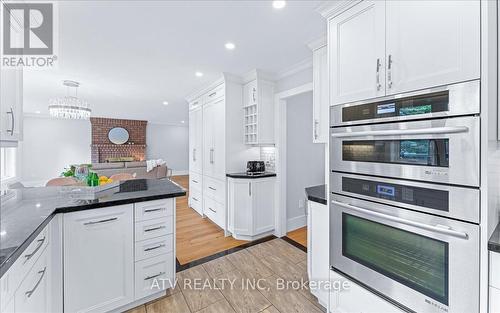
point(99, 259)
point(494, 300)
point(357, 53)
point(381, 48)
point(321, 107)
point(251, 207)
point(214, 151)
point(11, 105)
point(195, 140)
point(494, 282)
point(258, 107)
point(318, 247)
point(431, 43)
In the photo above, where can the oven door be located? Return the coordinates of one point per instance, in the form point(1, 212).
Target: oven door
point(441, 151)
point(422, 262)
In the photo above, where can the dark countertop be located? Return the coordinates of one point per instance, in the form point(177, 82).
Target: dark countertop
point(494, 242)
point(31, 209)
point(245, 175)
point(317, 194)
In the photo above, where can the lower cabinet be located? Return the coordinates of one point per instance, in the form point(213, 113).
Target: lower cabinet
point(494, 289)
point(318, 247)
point(251, 207)
point(99, 259)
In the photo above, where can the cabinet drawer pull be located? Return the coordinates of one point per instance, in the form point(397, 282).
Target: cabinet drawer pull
point(195, 199)
point(194, 181)
point(212, 210)
point(154, 276)
point(40, 244)
point(154, 248)
point(42, 272)
point(154, 210)
point(154, 228)
point(101, 221)
point(12, 118)
point(389, 71)
point(212, 188)
point(212, 94)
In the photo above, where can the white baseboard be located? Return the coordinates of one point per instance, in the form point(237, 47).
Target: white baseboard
point(180, 172)
point(296, 222)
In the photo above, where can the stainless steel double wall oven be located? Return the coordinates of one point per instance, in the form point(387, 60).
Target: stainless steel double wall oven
point(405, 197)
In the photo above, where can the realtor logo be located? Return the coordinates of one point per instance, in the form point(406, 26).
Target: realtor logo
point(28, 34)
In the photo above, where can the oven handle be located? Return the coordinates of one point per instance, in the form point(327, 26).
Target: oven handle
point(404, 132)
point(437, 229)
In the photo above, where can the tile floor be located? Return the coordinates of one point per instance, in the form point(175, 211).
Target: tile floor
point(266, 265)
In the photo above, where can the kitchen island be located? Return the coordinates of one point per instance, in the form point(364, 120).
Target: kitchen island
point(113, 245)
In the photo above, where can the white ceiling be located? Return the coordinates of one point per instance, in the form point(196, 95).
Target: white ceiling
point(129, 56)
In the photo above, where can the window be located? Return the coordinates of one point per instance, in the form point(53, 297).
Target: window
point(7, 164)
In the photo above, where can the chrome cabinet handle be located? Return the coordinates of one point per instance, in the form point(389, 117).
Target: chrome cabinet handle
point(30, 255)
point(101, 221)
point(212, 188)
point(154, 248)
point(405, 132)
point(378, 75)
point(316, 129)
point(389, 71)
point(154, 276)
point(212, 156)
point(212, 210)
point(195, 199)
point(154, 210)
point(11, 112)
point(211, 95)
point(30, 293)
point(194, 155)
point(194, 181)
point(154, 228)
point(436, 229)
point(253, 94)
point(249, 189)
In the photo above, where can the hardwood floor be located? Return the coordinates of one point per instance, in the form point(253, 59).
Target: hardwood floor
point(197, 237)
point(299, 235)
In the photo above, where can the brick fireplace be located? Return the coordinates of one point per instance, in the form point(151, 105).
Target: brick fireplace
point(102, 149)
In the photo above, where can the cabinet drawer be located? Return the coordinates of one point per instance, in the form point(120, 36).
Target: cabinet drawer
point(33, 294)
point(153, 209)
point(153, 228)
point(215, 211)
point(153, 247)
point(195, 181)
point(154, 275)
point(215, 189)
point(216, 93)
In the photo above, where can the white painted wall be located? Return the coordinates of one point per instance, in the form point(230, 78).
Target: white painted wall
point(50, 145)
point(305, 160)
point(169, 143)
point(297, 79)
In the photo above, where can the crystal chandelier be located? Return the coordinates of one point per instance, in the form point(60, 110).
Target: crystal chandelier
point(70, 107)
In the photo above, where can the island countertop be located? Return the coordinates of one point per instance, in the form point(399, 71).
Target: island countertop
point(25, 215)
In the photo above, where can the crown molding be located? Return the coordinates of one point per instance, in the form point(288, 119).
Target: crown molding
point(257, 74)
point(296, 68)
point(317, 43)
point(329, 9)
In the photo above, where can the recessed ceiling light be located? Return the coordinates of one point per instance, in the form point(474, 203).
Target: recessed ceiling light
point(183, 122)
point(38, 112)
point(165, 102)
point(198, 74)
point(230, 46)
point(3, 233)
point(277, 4)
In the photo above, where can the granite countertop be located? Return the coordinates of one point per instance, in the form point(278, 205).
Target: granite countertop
point(317, 194)
point(25, 215)
point(245, 175)
point(494, 242)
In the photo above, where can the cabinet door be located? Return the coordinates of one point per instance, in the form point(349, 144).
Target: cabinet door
point(320, 98)
point(34, 294)
point(195, 140)
point(219, 139)
point(240, 207)
point(262, 193)
point(98, 259)
point(318, 247)
point(357, 53)
point(431, 43)
point(208, 139)
point(11, 103)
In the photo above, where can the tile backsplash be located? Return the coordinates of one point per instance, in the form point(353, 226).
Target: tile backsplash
point(268, 155)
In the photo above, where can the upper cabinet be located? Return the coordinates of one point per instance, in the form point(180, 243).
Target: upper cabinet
point(258, 106)
point(357, 53)
point(380, 48)
point(11, 105)
point(320, 91)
